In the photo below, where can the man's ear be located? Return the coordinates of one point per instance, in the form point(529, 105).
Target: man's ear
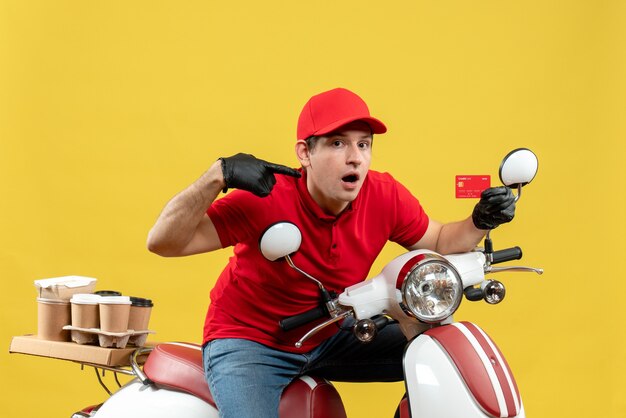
point(303, 153)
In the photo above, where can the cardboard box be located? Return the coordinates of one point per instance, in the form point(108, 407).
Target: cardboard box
point(63, 288)
point(30, 344)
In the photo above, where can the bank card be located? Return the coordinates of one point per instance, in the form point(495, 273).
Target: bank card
point(471, 186)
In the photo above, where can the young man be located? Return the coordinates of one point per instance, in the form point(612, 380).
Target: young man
point(346, 214)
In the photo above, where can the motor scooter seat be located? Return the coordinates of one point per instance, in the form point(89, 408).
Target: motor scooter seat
point(179, 366)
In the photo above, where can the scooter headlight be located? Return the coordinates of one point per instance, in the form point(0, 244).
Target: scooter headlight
point(432, 288)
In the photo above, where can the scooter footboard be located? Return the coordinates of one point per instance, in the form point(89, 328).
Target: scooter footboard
point(456, 370)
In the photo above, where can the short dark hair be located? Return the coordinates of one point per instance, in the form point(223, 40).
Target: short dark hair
point(311, 142)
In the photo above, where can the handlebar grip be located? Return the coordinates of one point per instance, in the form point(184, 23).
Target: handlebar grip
point(500, 256)
point(296, 321)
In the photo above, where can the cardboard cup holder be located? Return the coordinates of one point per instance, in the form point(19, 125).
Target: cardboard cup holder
point(110, 320)
point(108, 339)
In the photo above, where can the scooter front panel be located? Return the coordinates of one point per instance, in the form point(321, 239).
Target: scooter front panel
point(434, 386)
point(481, 366)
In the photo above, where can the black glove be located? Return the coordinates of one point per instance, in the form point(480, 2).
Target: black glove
point(245, 172)
point(496, 206)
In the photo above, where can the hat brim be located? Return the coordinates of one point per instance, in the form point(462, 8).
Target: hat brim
point(377, 126)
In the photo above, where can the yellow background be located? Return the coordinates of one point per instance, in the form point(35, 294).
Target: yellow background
point(108, 108)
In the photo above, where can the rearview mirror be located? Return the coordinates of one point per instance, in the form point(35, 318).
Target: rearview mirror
point(518, 168)
point(280, 240)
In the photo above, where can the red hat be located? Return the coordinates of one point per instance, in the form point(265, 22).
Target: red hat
point(327, 111)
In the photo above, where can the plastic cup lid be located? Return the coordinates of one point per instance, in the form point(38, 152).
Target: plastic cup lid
point(141, 302)
point(108, 293)
point(86, 299)
point(115, 300)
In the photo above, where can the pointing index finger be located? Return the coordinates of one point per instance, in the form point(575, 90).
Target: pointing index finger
point(281, 169)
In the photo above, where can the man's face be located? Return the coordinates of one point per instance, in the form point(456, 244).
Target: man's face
point(337, 166)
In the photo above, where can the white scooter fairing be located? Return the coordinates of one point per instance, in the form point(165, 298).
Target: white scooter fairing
point(138, 400)
point(457, 371)
point(170, 384)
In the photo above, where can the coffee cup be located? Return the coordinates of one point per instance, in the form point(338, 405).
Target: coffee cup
point(85, 310)
point(114, 313)
point(52, 316)
point(140, 310)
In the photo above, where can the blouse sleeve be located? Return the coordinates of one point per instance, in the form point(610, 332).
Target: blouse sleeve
point(411, 219)
point(236, 216)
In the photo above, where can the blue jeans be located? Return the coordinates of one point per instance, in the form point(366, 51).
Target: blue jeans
point(247, 378)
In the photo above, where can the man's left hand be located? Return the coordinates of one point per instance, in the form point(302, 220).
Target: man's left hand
point(496, 206)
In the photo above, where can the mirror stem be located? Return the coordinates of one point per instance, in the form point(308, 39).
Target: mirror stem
point(488, 248)
point(293, 266)
point(325, 296)
point(519, 192)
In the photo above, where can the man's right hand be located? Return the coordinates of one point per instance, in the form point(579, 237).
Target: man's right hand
point(245, 172)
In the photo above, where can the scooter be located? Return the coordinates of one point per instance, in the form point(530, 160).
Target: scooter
point(452, 369)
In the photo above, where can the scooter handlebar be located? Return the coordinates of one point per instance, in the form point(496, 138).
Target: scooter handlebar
point(303, 318)
point(508, 254)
